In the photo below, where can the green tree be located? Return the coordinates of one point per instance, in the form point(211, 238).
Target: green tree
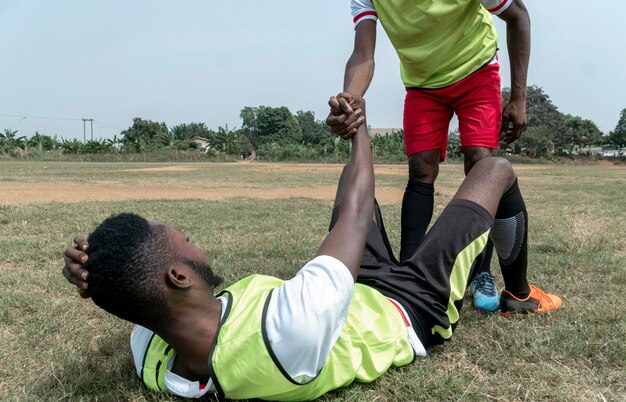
point(144, 135)
point(454, 145)
point(249, 125)
point(581, 133)
point(537, 141)
point(618, 135)
point(266, 124)
point(114, 142)
point(98, 146)
point(541, 112)
point(43, 142)
point(72, 146)
point(187, 131)
point(229, 141)
point(313, 131)
point(11, 143)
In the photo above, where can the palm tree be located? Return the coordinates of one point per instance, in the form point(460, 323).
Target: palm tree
point(11, 142)
point(38, 140)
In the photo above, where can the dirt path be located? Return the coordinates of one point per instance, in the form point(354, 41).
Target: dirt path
point(40, 192)
point(20, 193)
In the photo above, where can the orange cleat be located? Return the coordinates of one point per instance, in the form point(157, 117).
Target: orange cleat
point(536, 302)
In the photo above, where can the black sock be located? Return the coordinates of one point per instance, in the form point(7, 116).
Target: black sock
point(485, 266)
point(417, 211)
point(510, 237)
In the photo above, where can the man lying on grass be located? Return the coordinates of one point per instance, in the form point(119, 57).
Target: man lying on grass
point(348, 314)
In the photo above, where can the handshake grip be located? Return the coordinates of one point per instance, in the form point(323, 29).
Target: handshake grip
point(347, 114)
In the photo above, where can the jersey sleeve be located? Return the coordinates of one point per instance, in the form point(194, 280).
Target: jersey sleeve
point(496, 7)
point(363, 10)
point(306, 314)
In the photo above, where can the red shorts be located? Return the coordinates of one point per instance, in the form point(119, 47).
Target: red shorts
point(477, 102)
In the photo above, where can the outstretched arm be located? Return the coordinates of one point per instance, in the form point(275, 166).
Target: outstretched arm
point(360, 66)
point(355, 200)
point(357, 78)
point(518, 44)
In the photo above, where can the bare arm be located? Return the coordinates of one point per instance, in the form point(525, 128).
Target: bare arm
point(360, 66)
point(518, 43)
point(357, 78)
point(355, 199)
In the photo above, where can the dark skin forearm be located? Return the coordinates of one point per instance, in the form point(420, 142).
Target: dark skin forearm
point(360, 66)
point(357, 188)
point(355, 200)
point(357, 78)
point(518, 43)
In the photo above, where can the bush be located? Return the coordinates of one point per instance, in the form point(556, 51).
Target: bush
point(298, 152)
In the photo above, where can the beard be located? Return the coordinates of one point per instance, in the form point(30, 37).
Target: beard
point(205, 273)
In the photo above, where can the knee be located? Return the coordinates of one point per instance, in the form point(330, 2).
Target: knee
point(475, 154)
point(424, 166)
point(498, 166)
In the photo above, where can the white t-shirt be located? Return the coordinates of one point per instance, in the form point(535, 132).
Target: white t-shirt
point(304, 319)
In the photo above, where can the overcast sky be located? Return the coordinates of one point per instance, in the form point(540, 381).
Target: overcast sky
point(198, 60)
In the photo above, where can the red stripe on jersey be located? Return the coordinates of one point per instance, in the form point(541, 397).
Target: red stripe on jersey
point(406, 321)
point(495, 9)
point(364, 14)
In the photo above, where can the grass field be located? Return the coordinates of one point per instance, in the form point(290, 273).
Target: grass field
point(270, 218)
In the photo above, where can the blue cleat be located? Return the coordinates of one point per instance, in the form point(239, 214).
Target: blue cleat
point(485, 293)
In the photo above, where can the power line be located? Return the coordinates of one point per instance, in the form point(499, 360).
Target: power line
point(102, 124)
point(39, 117)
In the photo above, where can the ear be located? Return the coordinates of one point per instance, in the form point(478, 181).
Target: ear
point(178, 278)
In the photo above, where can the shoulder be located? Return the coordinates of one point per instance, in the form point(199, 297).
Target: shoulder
point(305, 315)
point(139, 342)
point(496, 7)
point(316, 299)
point(363, 10)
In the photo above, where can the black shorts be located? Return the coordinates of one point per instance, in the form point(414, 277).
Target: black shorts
point(431, 284)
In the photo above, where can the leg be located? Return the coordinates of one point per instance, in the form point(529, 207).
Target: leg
point(444, 262)
point(479, 107)
point(483, 286)
point(426, 121)
point(510, 235)
point(492, 184)
point(486, 183)
point(418, 201)
point(471, 155)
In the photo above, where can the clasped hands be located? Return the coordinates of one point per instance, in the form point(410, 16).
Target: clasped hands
point(347, 114)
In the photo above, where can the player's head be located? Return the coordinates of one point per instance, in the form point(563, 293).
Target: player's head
point(135, 265)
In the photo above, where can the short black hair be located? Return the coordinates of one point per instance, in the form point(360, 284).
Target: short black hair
point(127, 261)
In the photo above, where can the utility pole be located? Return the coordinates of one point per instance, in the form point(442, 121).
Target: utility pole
point(84, 131)
point(91, 124)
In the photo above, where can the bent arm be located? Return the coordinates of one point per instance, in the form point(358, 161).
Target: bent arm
point(355, 200)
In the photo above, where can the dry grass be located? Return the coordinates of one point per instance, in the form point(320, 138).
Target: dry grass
point(56, 346)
